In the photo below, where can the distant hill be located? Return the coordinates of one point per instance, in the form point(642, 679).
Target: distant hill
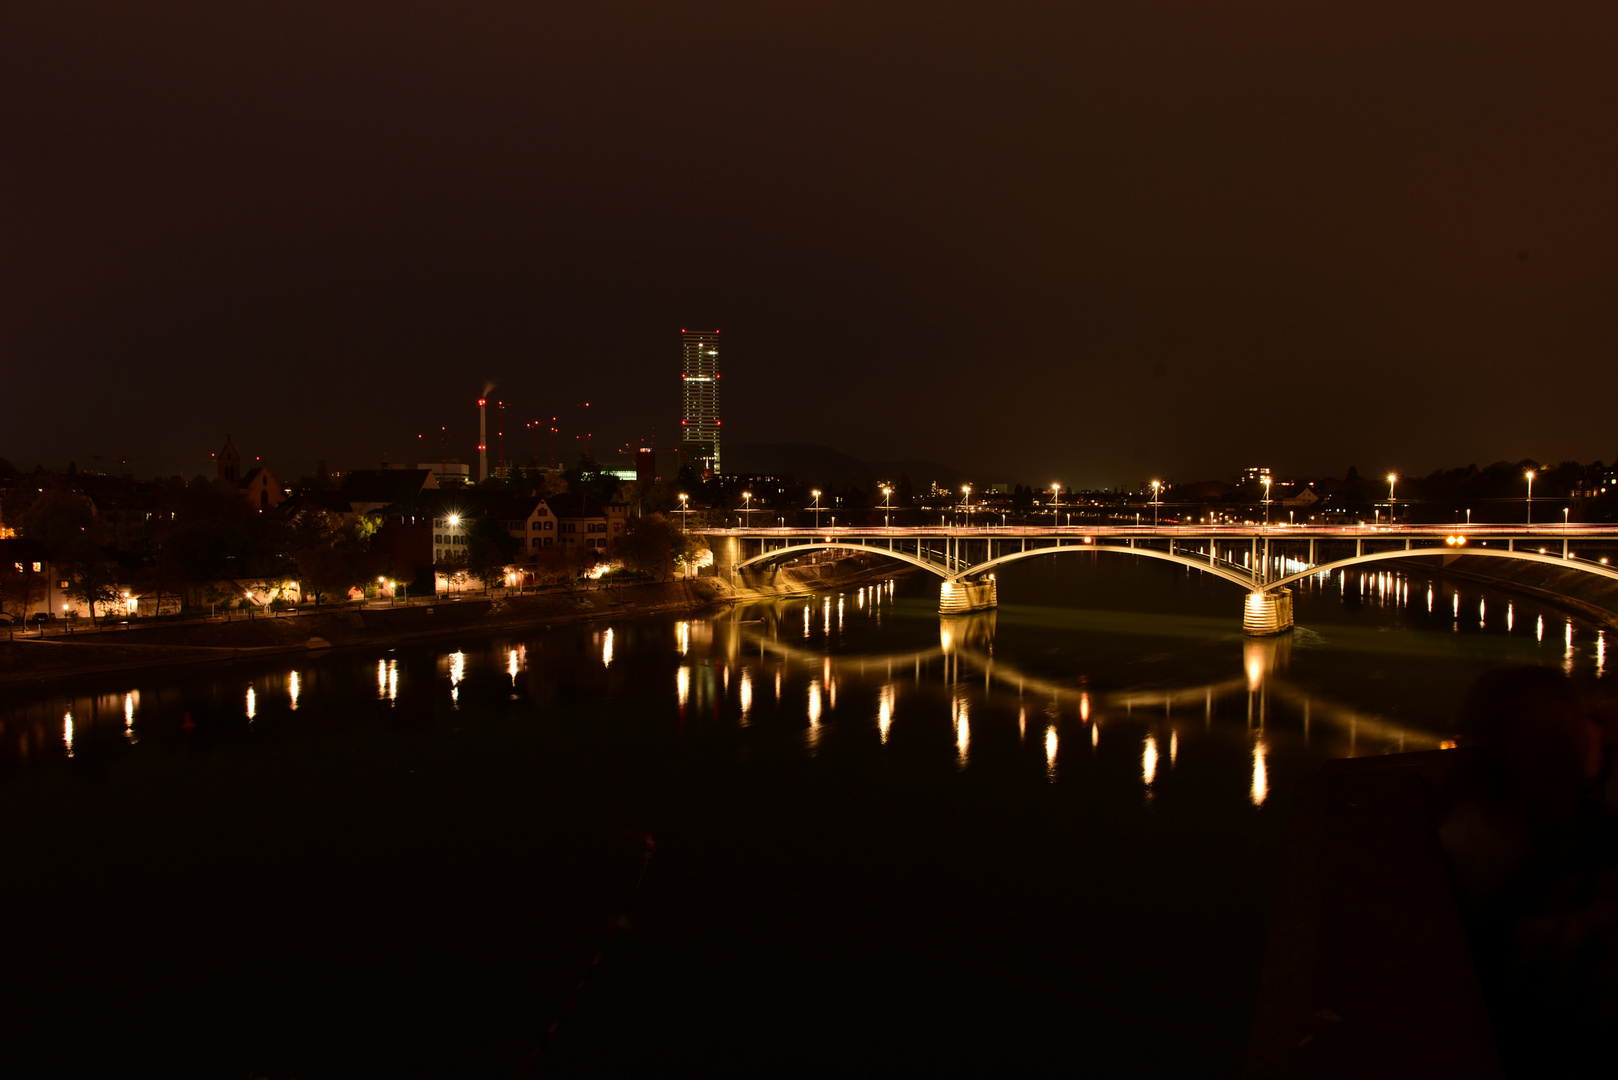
point(813, 464)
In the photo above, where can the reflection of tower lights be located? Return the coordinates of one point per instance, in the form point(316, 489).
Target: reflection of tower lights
point(381, 679)
point(1261, 784)
point(292, 690)
point(963, 730)
point(1482, 612)
point(511, 665)
point(1539, 632)
point(1174, 747)
point(806, 620)
point(1567, 659)
point(1148, 760)
point(746, 693)
point(1022, 722)
point(457, 671)
point(67, 731)
point(682, 684)
point(1510, 617)
point(839, 612)
point(778, 686)
point(252, 703)
point(1456, 606)
point(682, 636)
point(1050, 746)
point(1084, 707)
point(884, 710)
point(1095, 733)
point(129, 709)
point(1601, 653)
point(814, 702)
point(393, 680)
point(606, 648)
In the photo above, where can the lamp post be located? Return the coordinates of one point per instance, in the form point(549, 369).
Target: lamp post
point(1530, 500)
point(1393, 478)
point(684, 511)
point(1266, 500)
point(747, 507)
point(887, 506)
point(816, 506)
point(966, 502)
point(1564, 517)
point(1056, 511)
point(1157, 488)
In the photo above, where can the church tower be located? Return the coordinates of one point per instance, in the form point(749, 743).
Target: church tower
point(230, 462)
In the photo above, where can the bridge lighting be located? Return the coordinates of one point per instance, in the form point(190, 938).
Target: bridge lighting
point(1157, 488)
point(1266, 500)
point(1530, 501)
point(887, 506)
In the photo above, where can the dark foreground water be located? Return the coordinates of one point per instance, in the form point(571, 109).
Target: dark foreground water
point(1047, 835)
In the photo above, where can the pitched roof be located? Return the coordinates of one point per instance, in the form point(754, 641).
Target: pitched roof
point(384, 487)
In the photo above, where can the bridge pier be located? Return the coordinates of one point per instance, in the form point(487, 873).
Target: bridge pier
point(959, 597)
point(1268, 612)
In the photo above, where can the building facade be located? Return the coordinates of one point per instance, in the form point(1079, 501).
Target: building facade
point(699, 418)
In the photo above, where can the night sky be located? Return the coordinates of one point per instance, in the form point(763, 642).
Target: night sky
point(1095, 242)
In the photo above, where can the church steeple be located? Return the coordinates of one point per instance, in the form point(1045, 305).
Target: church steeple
point(230, 462)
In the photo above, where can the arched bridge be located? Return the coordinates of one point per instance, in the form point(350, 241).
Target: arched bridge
point(1261, 560)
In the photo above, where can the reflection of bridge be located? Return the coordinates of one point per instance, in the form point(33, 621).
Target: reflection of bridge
point(1263, 560)
point(970, 639)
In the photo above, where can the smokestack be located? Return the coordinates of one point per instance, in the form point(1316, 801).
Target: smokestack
point(483, 440)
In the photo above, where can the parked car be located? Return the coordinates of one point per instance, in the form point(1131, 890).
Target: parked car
point(9, 620)
point(40, 618)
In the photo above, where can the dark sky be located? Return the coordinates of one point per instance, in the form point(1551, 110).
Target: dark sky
point(1089, 241)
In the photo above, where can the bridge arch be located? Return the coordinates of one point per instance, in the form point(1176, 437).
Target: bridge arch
point(792, 551)
point(1235, 577)
point(1417, 553)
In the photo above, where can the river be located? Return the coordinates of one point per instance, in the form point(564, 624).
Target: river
point(1048, 833)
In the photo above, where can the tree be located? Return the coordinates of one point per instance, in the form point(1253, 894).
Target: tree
point(654, 544)
point(21, 586)
point(92, 577)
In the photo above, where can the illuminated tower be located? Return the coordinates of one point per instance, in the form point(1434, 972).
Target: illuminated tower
point(699, 423)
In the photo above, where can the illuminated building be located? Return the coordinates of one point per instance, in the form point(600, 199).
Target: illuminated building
point(699, 422)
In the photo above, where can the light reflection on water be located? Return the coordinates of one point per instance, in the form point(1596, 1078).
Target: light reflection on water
point(975, 679)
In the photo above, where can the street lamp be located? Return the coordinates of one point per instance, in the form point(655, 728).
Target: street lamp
point(816, 506)
point(747, 507)
point(1530, 475)
point(966, 501)
point(684, 511)
point(1266, 500)
point(1564, 517)
point(887, 506)
point(1056, 511)
point(1157, 487)
point(1393, 478)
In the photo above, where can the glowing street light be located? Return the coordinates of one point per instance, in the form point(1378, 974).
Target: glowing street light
point(887, 506)
point(1393, 478)
point(816, 506)
point(1530, 500)
point(1266, 500)
point(966, 501)
point(1157, 489)
point(685, 511)
point(1056, 511)
point(747, 507)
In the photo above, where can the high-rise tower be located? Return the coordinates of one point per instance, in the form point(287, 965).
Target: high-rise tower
point(699, 423)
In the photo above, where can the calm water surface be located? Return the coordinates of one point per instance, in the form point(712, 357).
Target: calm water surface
point(1052, 827)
